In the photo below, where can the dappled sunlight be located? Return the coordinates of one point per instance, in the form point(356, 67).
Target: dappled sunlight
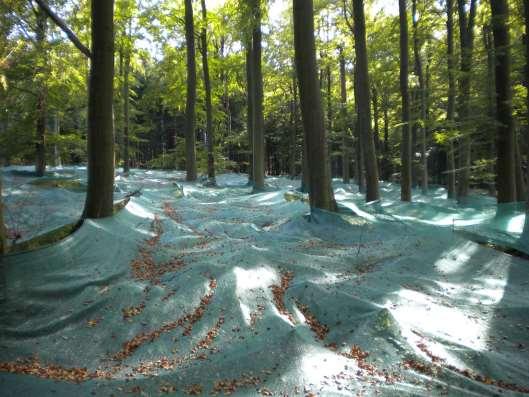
point(516, 223)
point(139, 210)
point(455, 259)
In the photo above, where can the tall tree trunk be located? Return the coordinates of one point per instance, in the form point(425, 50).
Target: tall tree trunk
point(258, 120)
point(250, 112)
point(321, 194)
point(191, 165)
point(359, 148)
point(42, 95)
point(207, 86)
point(293, 129)
point(364, 102)
point(387, 155)
point(521, 193)
point(3, 237)
point(491, 100)
point(525, 234)
point(451, 163)
point(422, 97)
point(466, 33)
point(346, 175)
point(505, 145)
point(376, 126)
point(100, 190)
point(56, 131)
point(126, 117)
point(405, 177)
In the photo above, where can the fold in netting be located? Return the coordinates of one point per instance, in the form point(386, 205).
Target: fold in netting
point(194, 290)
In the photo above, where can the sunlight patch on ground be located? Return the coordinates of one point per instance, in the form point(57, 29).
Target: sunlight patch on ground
point(138, 210)
point(516, 223)
point(455, 259)
point(254, 278)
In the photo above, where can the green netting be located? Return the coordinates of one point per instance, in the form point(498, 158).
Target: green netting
point(223, 291)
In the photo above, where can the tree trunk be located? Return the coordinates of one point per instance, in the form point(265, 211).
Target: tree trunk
point(364, 102)
point(42, 95)
point(387, 155)
point(520, 182)
point(207, 86)
point(405, 177)
point(100, 190)
point(346, 175)
point(451, 163)
point(293, 129)
point(422, 98)
point(321, 194)
point(56, 131)
point(126, 117)
point(3, 237)
point(376, 127)
point(466, 33)
point(250, 111)
point(191, 166)
point(525, 234)
point(258, 120)
point(506, 153)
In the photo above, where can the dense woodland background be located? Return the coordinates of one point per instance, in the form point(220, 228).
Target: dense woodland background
point(429, 92)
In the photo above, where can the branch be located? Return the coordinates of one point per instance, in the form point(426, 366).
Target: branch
point(60, 23)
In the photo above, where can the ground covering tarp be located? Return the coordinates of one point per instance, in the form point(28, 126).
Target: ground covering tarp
point(223, 291)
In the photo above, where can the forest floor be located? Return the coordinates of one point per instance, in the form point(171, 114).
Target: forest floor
point(191, 290)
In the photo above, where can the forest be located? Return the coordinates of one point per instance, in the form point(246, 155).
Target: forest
point(264, 197)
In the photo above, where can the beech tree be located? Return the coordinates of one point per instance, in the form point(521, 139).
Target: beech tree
point(405, 177)
point(450, 112)
point(100, 145)
point(191, 166)
point(320, 191)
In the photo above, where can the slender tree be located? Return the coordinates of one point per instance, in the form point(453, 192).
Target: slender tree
point(207, 86)
point(292, 142)
point(405, 179)
point(3, 239)
point(422, 97)
point(364, 102)
point(99, 197)
point(466, 35)
point(126, 116)
point(191, 166)
point(451, 163)
point(249, 105)
point(321, 194)
point(346, 175)
point(258, 115)
point(525, 235)
point(42, 95)
point(505, 145)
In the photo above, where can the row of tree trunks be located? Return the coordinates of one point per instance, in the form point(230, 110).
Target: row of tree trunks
point(190, 123)
point(320, 193)
point(466, 35)
point(364, 102)
point(209, 107)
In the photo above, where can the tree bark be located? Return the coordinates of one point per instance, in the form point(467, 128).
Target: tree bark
point(3, 237)
point(405, 178)
point(191, 166)
point(293, 129)
point(42, 96)
point(466, 33)
point(505, 145)
point(346, 175)
point(364, 102)
point(321, 194)
point(422, 98)
point(491, 100)
point(126, 117)
point(258, 119)
point(451, 164)
point(100, 190)
point(250, 111)
point(209, 107)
